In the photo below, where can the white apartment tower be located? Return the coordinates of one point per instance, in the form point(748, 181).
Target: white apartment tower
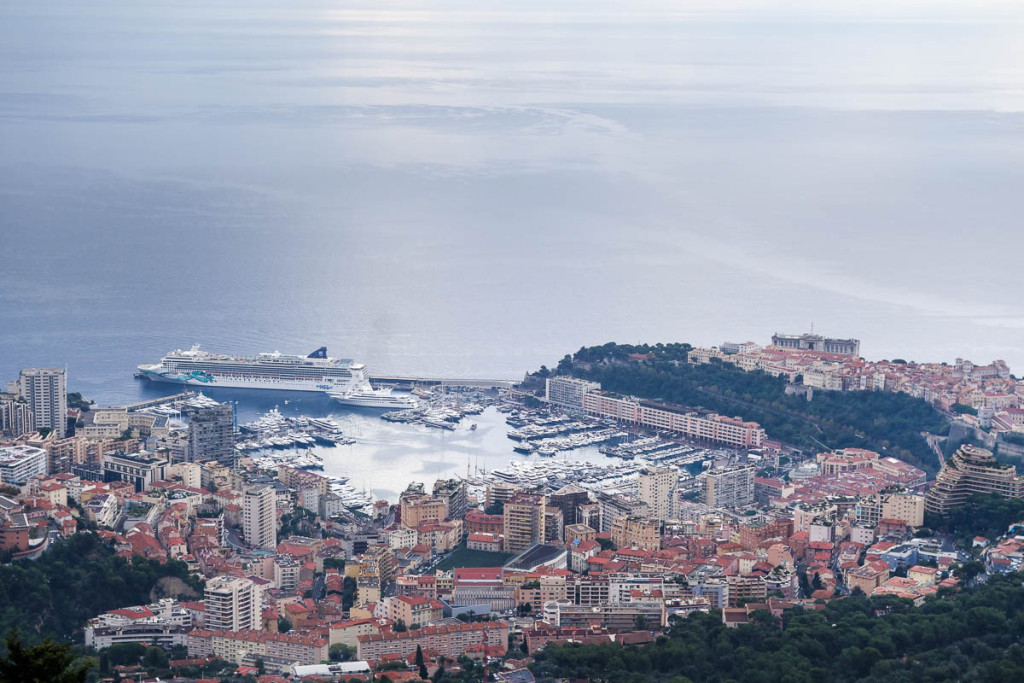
point(233, 604)
point(655, 488)
point(259, 518)
point(729, 487)
point(46, 392)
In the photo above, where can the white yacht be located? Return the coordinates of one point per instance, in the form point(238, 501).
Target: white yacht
point(368, 397)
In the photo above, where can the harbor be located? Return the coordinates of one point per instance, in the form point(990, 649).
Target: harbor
point(274, 430)
point(480, 436)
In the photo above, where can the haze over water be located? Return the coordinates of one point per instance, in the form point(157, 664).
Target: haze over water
point(474, 189)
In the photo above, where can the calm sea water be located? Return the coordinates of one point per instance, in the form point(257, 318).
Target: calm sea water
point(476, 189)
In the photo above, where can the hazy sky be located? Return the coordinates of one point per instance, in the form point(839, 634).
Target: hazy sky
point(496, 184)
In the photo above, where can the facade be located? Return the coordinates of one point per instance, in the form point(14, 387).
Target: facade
point(18, 464)
point(655, 487)
point(16, 417)
point(619, 616)
point(45, 391)
point(286, 572)
point(729, 487)
point(567, 393)
point(637, 532)
point(211, 434)
point(615, 505)
point(232, 604)
point(450, 641)
point(490, 543)
point(417, 509)
point(579, 532)
point(709, 427)
point(138, 469)
point(971, 470)
point(816, 342)
point(568, 499)
point(279, 651)
point(471, 586)
point(477, 522)
point(905, 507)
point(259, 517)
point(523, 522)
point(455, 495)
point(165, 623)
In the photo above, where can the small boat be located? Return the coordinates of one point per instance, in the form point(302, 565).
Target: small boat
point(472, 426)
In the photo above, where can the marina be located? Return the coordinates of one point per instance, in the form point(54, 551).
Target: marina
point(274, 430)
point(441, 409)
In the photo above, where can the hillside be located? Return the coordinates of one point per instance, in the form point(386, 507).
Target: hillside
point(885, 422)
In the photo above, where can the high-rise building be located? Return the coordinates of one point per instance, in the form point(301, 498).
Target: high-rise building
point(45, 391)
point(259, 516)
point(568, 499)
point(568, 392)
point(232, 604)
point(655, 487)
point(524, 522)
point(15, 416)
point(729, 487)
point(211, 434)
point(615, 505)
point(454, 493)
point(971, 470)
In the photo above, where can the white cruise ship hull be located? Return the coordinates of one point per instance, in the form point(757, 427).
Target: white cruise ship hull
point(157, 374)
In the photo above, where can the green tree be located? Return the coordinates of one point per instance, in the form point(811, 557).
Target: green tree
point(421, 663)
point(45, 662)
point(155, 657)
point(283, 625)
point(340, 652)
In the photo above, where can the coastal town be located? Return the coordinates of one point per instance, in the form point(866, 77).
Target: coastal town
point(306, 578)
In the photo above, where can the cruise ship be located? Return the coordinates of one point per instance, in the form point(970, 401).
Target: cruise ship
point(283, 372)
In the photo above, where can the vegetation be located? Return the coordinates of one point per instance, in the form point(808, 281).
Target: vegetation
point(1015, 438)
point(988, 515)
point(76, 579)
point(340, 652)
point(77, 401)
point(46, 661)
point(889, 423)
point(970, 635)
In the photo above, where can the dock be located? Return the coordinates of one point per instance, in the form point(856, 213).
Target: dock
point(409, 383)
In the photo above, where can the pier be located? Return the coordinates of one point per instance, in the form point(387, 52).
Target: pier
point(132, 407)
point(408, 383)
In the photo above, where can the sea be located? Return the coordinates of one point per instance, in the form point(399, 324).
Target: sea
point(467, 189)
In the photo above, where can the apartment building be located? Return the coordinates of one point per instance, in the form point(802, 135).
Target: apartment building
point(259, 516)
point(637, 532)
point(232, 604)
point(971, 470)
point(655, 487)
point(524, 522)
point(729, 487)
point(686, 421)
point(18, 464)
point(45, 391)
point(567, 392)
point(448, 640)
